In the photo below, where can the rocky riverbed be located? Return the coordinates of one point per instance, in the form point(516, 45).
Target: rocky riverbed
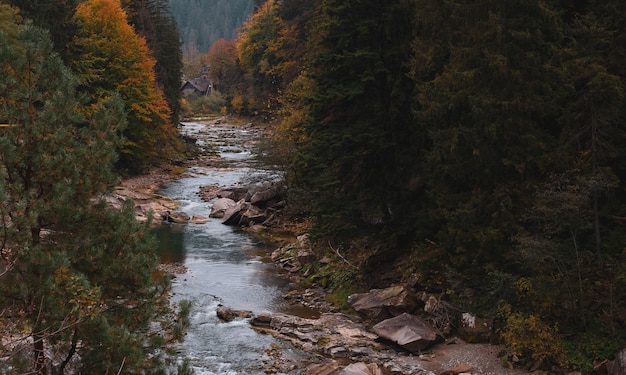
point(342, 343)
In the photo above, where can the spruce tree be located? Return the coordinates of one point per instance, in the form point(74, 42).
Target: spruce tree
point(56, 16)
point(360, 116)
point(489, 88)
point(78, 279)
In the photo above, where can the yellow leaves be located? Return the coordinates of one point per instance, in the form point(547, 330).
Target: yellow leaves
point(81, 299)
point(528, 335)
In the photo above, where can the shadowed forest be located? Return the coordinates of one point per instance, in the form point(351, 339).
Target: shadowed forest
point(479, 147)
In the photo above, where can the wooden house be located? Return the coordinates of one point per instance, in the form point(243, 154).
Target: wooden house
point(199, 86)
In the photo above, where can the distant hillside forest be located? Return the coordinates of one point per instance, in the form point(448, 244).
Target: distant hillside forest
point(200, 23)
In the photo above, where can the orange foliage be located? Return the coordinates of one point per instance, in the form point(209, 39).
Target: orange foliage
point(121, 60)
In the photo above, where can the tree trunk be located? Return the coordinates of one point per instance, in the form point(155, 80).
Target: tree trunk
point(39, 364)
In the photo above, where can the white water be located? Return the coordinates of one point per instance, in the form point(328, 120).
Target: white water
point(224, 267)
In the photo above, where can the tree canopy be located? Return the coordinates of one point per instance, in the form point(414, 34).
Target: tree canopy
point(78, 279)
point(114, 57)
point(478, 145)
point(152, 64)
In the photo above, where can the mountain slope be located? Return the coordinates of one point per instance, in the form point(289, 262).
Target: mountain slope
point(200, 23)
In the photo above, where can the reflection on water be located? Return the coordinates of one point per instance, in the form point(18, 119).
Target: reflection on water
point(171, 247)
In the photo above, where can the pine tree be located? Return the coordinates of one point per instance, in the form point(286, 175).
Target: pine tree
point(78, 279)
point(360, 114)
point(489, 88)
point(56, 16)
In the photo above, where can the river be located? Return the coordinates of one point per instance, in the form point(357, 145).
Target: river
point(224, 264)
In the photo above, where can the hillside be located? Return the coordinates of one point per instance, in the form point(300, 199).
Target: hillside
point(200, 23)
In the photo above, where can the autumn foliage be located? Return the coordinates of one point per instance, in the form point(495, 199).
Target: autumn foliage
point(118, 59)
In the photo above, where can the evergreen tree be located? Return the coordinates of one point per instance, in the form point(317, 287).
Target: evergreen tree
point(78, 279)
point(56, 16)
point(360, 115)
point(489, 91)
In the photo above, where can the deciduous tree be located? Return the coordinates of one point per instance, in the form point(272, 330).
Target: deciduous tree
point(113, 57)
point(152, 20)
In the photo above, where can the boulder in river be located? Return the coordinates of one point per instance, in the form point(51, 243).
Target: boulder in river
point(228, 314)
point(220, 206)
point(409, 331)
point(379, 304)
point(260, 194)
point(177, 217)
point(235, 193)
point(232, 215)
point(199, 219)
point(252, 215)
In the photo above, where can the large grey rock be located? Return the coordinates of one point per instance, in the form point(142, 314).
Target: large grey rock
point(177, 217)
point(408, 331)
point(236, 193)
point(232, 215)
point(380, 304)
point(199, 219)
point(361, 368)
point(252, 215)
point(264, 194)
point(220, 206)
point(228, 314)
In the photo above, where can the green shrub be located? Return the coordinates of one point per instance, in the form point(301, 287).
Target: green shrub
point(597, 343)
point(206, 105)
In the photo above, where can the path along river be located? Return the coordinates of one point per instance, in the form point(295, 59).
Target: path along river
point(224, 265)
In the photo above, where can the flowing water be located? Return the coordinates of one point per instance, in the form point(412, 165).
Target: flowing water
point(225, 265)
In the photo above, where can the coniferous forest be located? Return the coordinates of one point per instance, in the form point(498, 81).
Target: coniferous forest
point(201, 23)
point(479, 147)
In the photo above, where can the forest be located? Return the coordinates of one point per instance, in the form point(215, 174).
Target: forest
point(475, 146)
point(89, 92)
point(200, 23)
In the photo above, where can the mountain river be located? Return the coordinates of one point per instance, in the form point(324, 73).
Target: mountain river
point(224, 264)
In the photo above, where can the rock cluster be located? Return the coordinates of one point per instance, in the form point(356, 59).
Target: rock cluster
point(249, 205)
point(391, 333)
point(150, 206)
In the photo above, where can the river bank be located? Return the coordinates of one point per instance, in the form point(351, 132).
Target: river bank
point(339, 342)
